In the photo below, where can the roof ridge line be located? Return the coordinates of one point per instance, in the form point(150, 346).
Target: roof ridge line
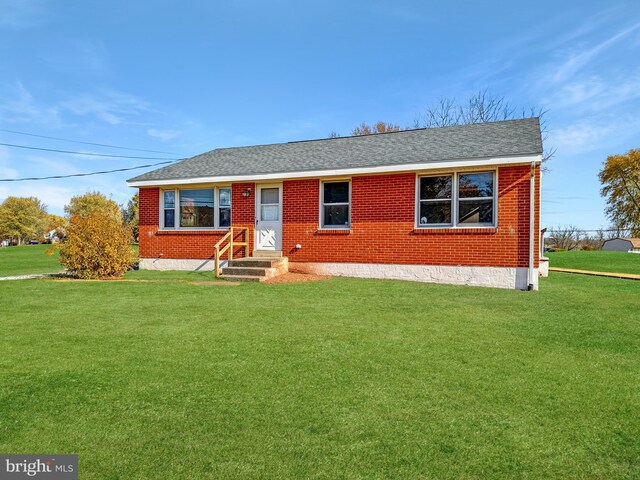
point(371, 134)
point(403, 131)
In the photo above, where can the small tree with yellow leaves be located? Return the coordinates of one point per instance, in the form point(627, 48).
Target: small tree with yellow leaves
point(620, 178)
point(98, 246)
point(98, 243)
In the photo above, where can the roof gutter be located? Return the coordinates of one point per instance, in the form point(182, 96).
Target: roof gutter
point(408, 167)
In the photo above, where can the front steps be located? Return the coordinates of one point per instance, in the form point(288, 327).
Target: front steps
point(255, 269)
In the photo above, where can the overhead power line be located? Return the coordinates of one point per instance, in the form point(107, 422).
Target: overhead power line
point(85, 153)
point(580, 230)
point(84, 143)
point(83, 174)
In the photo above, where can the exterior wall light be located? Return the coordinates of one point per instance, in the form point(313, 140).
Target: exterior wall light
point(246, 193)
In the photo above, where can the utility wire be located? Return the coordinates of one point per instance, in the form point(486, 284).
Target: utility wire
point(84, 143)
point(83, 174)
point(85, 153)
point(580, 230)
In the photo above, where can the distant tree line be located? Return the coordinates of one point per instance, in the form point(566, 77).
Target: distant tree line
point(25, 219)
point(570, 237)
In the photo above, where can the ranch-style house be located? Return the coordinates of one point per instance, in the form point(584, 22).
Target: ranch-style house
point(457, 204)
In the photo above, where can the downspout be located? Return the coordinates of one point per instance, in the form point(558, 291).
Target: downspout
point(532, 225)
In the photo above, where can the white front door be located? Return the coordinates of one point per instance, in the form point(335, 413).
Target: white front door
point(269, 217)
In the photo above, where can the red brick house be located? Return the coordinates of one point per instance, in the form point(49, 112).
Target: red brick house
point(456, 204)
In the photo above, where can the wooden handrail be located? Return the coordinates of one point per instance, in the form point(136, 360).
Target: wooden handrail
point(230, 236)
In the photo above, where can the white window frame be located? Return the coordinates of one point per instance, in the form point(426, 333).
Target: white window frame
point(469, 199)
point(259, 204)
point(455, 203)
point(322, 205)
point(216, 208)
point(162, 209)
point(451, 199)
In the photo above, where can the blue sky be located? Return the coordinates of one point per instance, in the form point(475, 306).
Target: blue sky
point(186, 77)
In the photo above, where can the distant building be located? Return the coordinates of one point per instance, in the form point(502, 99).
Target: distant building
point(631, 245)
point(53, 236)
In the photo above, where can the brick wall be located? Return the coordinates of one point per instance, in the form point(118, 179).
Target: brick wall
point(155, 243)
point(382, 226)
point(243, 210)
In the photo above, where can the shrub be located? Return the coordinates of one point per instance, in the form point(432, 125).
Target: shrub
point(88, 203)
point(98, 245)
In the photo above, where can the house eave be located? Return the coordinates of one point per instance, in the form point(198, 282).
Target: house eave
point(411, 167)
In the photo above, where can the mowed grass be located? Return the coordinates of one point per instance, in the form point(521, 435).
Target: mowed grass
point(598, 261)
point(191, 276)
point(343, 378)
point(32, 259)
point(28, 259)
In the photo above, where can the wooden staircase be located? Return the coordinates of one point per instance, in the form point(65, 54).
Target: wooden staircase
point(255, 269)
point(258, 268)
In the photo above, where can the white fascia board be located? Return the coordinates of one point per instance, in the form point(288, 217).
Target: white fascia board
point(411, 167)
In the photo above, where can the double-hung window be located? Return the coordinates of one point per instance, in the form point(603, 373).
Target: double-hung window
point(435, 200)
point(169, 209)
point(335, 204)
point(456, 199)
point(193, 208)
point(475, 198)
point(224, 207)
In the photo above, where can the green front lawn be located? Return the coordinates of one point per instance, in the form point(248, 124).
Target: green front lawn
point(28, 259)
point(343, 378)
point(31, 259)
point(199, 276)
point(598, 261)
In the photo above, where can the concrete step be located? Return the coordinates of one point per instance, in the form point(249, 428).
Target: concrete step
point(253, 269)
point(234, 270)
point(244, 278)
point(257, 262)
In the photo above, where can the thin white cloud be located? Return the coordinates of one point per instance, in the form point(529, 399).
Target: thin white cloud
point(110, 106)
point(21, 14)
point(6, 171)
point(578, 137)
point(562, 37)
point(20, 106)
point(78, 57)
point(53, 194)
point(399, 12)
point(595, 93)
point(575, 136)
point(50, 165)
point(576, 93)
point(594, 133)
point(164, 135)
point(578, 61)
point(496, 65)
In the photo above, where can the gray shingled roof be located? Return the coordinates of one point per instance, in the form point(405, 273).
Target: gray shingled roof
point(481, 140)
